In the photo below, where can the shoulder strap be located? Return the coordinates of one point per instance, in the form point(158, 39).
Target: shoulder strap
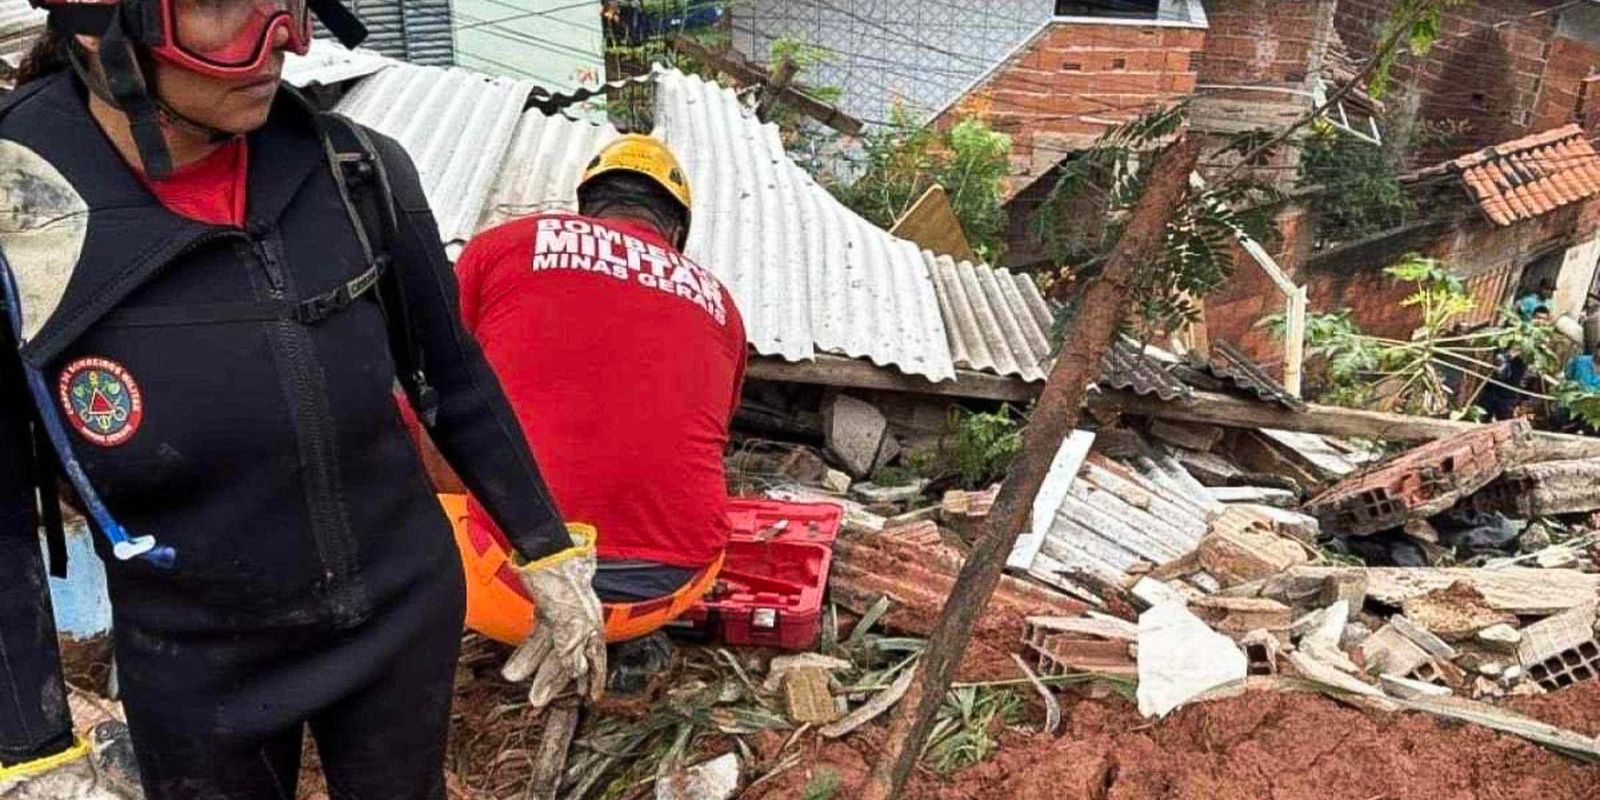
point(41, 466)
point(364, 187)
point(46, 468)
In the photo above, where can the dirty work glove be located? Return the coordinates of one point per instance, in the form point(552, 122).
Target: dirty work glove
point(69, 775)
point(568, 640)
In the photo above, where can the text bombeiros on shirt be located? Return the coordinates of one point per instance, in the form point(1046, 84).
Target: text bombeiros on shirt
point(578, 244)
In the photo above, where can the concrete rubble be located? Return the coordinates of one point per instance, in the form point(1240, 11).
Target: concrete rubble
point(1195, 560)
point(856, 432)
point(1419, 483)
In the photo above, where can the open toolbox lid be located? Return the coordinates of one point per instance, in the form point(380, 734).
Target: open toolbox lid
point(774, 576)
point(777, 521)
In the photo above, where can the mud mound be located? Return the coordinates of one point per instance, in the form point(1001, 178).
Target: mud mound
point(1261, 745)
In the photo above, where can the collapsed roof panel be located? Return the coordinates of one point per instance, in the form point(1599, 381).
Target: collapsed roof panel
point(996, 321)
point(1125, 366)
point(1232, 367)
point(20, 24)
point(809, 274)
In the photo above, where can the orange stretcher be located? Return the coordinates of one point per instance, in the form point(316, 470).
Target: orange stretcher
point(499, 608)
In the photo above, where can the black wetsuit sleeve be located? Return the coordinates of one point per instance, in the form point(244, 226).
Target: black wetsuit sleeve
point(34, 721)
point(476, 430)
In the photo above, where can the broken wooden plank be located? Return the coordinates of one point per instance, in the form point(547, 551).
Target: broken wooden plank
point(1235, 412)
point(1240, 615)
point(808, 697)
point(1313, 450)
point(1520, 590)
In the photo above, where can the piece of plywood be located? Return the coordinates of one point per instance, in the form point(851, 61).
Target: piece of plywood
point(932, 223)
point(1575, 278)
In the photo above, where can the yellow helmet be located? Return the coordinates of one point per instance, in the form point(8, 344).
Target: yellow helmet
point(642, 155)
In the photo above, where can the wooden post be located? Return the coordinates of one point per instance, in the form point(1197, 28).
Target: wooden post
point(792, 96)
point(772, 93)
point(1294, 342)
point(1052, 420)
point(1210, 408)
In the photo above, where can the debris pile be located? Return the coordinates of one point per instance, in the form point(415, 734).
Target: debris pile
point(1180, 564)
point(1189, 607)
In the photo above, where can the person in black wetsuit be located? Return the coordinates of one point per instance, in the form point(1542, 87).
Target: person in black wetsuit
point(223, 372)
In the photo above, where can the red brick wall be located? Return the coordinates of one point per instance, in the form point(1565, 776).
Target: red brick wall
point(1490, 258)
point(1072, 81)
point(1261, 42)
point(1560, 96)
point(1485, 77)
point(1254, 50)
point(1233, 311)
point(1588, 219)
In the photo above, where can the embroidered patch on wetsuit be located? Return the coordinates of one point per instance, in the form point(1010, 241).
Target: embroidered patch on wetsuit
point(102, 401)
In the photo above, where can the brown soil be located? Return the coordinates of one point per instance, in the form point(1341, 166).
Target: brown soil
point(1261, 745)
point(86, 663)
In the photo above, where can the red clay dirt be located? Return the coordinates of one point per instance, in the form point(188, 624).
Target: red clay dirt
point(1262, 745)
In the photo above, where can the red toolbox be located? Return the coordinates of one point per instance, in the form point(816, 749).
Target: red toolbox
point(770, 590)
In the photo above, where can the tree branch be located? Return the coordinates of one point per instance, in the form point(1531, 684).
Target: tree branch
point(1105, 303)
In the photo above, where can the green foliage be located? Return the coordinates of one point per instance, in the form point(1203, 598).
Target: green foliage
point(631, 106)
point(1363, 194)
point(902, 160)
point(1580, 402)
point(822, 785)
point(1417, 24)
point(1347, 354)
point(985, 445)
point(804, 139)
point(801, 53)
point(659, 48)
point(1084, 215)
point(1440, 295)
point(965, 730)
point(1362, 370)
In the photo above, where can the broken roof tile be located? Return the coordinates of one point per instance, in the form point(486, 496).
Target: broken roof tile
point(1125, 366)
point(1232, 367)
point(996, 320)
point(1528, 177)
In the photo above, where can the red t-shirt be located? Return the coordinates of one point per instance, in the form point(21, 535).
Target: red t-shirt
point(211, 190)
point(624, 361)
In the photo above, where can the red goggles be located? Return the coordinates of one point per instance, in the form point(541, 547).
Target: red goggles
point(231, 38)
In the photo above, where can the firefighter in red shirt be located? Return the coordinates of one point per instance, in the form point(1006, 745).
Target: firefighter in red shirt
point(623, 360)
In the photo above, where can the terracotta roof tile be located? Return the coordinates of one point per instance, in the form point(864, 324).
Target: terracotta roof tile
point(1528, 177)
